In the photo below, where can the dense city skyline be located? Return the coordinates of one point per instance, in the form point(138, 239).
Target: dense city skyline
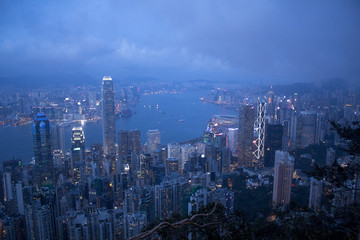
point(179, 120)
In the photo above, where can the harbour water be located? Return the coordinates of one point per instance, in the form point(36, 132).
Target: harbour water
point(179, 117)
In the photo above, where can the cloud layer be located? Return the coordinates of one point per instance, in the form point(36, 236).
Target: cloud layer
point(218, 40)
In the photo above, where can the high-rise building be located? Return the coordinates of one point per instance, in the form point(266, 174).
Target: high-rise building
point(232, 139)
point(78, 144)
point(109, 129)
point(283, 173)
point(172, 166)
point(186, 150)
point(129, 141)
point(109, 137)
point(273, 142)
point(259, 128)
point(153, 139)
point(78, 154)
point(173, 150)
point(42, 149)
point(246, 135)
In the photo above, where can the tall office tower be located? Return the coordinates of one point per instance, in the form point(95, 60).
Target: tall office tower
point(232, 139)
point(173, 150)
point(273, 142)
point(186, 150)
point(283, 173)
point(259, 128)
point(109, 129)
point(134, 141)
point(129, 141)
point(78, 154)
point(153, 139)
point(315, 194)
point(330, 156)
point(108, 104)
point(58, 138)
point(123, 143)
point(42, 149)
point(307, 129)
point(246, 135)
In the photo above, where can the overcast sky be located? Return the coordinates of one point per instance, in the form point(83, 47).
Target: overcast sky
point(252, 40)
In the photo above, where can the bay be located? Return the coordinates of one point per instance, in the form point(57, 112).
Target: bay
point(155, 111)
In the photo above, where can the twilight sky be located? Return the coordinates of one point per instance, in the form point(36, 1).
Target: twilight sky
point(241, 40)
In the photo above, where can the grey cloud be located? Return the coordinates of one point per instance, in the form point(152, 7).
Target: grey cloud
point(259, 40)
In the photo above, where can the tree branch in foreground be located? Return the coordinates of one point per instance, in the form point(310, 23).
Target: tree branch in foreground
point(186, 221)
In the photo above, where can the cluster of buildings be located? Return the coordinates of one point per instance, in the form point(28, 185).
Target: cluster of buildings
point(116, 189)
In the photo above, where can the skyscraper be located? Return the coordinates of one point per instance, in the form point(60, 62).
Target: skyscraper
point(186, 150)
point(78, 153)
point(283, 172)
point(173, 150)
point(129, 141)
point(260, 130)
point(153, 139)
point(42, 149)
point(232, 139)
point(273, 142)
point(246, 135)
point(109, 130)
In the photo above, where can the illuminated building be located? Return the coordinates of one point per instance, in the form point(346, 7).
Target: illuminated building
point(78, 154)
point(173, 150)
point(283, 173)
point(129, 141)
point(232, 139)
point(169, 197)
point(172, 166)
point(246, 135)
point(109, 130)
point(42, 149)
point(259, 128)
point(134, 223)
point(218, 159)
point(186, 150)
point(153, 139)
